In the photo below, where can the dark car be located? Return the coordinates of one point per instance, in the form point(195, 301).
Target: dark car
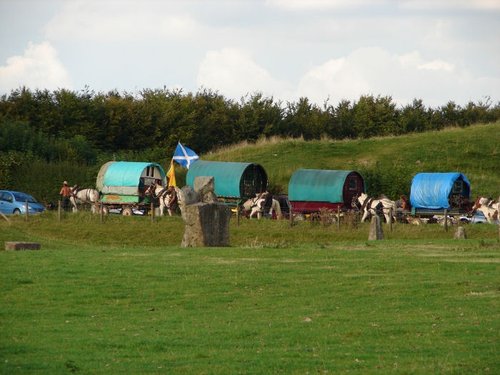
point(14, 202)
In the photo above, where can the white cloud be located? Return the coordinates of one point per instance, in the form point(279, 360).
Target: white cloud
point(297, 5)
point(119, 20)
point(233, 72)
point(304, 5)
point(484, 5)
point(365, 71)
point(38, 67)
point(436, 65)
point(374, 71)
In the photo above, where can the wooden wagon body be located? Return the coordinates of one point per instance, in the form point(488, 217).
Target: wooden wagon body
point(310, 190)
point(123, 184)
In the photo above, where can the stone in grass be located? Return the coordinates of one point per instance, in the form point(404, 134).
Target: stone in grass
point(376, 232)
point(460, 234)
point(206, 224)
point(16, 245)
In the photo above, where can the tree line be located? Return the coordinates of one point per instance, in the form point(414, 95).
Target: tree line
point(205, 120)
point(58, 130)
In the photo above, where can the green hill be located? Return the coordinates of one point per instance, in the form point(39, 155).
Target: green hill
point(388, 164)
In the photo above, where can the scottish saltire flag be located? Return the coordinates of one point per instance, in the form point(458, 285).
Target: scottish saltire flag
point(184, 155)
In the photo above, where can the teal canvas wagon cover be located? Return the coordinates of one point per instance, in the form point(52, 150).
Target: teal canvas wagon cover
point(127, 180)
point(323, 187)
point(231, 179)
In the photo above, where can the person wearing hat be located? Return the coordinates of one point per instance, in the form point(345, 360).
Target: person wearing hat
point(65, 194)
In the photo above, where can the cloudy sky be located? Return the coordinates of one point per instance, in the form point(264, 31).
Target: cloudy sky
point(434, 50)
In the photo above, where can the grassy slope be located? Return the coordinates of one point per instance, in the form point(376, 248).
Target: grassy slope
point(474, 151)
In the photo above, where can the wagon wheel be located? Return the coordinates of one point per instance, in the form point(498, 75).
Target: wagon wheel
point(127, 211)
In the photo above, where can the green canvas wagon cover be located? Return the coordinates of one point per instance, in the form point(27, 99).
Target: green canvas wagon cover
point(312, 189)
point(126, 181)
point(231, 179)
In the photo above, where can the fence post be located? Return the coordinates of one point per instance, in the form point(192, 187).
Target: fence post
point(446, 220)
point(338, 217)
point(290, 216)
point(152, 212)
point(390, 219)
point(26, 207)
point(59, 210)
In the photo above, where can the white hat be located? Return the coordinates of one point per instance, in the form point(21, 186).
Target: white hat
point(65, 182)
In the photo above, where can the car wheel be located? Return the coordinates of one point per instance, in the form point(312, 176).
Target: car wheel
point(17, 211)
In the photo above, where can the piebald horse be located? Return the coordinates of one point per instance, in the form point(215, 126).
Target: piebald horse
point(489, 207)
point(82, 196)
point(369, 206)
point(167, 197)
point(257, 205)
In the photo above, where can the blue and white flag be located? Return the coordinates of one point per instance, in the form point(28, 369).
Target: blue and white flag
point(184, 155)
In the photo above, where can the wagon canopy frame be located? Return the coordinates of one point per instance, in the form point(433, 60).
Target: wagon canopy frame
point(235, 180)
point(312, 189)
point(128, 179)
point(434, 190)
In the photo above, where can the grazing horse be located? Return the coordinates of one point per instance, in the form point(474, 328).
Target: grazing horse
point(489, 207)
point(167, 197)
point(82, 196)
point(369, 206)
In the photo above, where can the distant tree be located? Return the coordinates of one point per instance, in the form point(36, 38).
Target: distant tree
point(304, 119)
point(414, 118)
point(374, 116)
point(341, 124)
point(256, 117)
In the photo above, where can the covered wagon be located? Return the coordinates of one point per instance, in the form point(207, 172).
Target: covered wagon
point(433, 193)
point(123, 185)
point(310, 190)
point(233, 181)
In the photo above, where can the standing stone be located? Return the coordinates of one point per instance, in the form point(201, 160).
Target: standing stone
point(460, 234)
point(204, 186)
point(206, 221)
point(376, 232)
point(206, 224)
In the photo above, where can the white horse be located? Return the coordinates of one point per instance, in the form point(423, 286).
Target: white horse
point(489, 207)
point(82, 196)
point(256, 205)
point(369, 206)
point(167, 197)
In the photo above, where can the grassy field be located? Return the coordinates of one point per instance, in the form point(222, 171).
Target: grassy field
point(123, 297)
point(393, 161)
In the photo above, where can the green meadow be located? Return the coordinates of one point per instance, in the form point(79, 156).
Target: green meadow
point(122, 296)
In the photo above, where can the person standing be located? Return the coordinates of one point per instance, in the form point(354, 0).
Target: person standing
point(65, 194)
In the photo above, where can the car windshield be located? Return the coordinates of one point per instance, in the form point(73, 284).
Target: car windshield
point(22, 197)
